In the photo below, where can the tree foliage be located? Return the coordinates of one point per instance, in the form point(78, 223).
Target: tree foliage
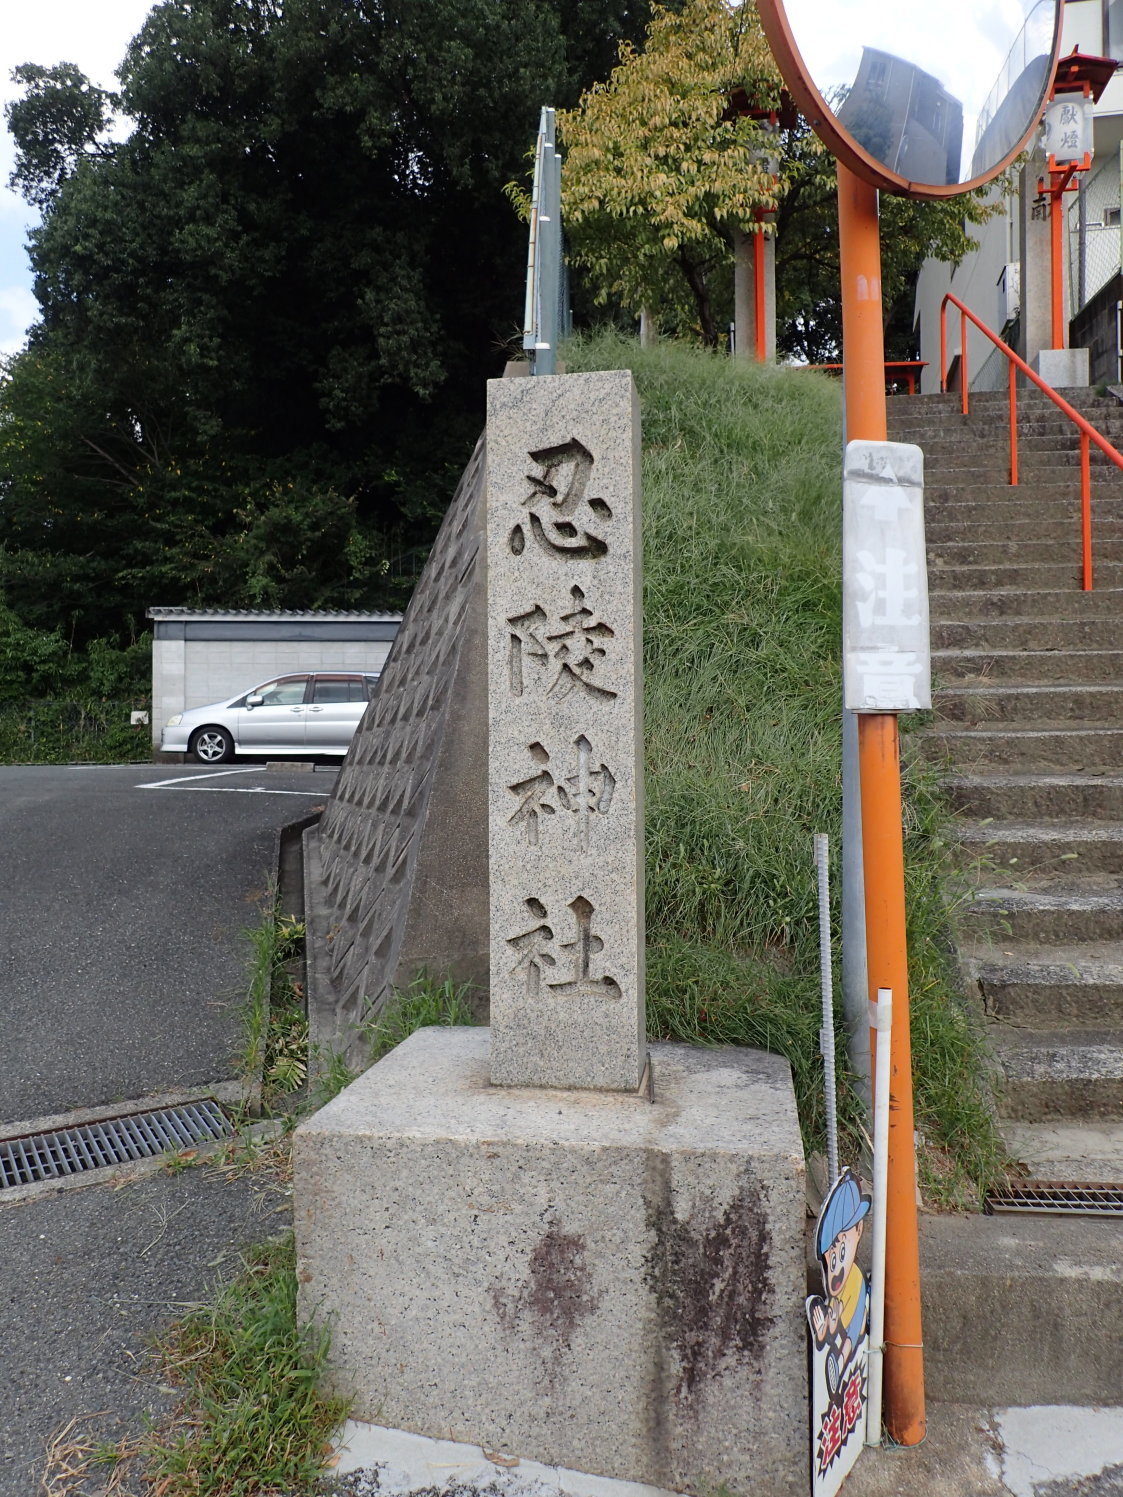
point(267, 313)
point(658, 173)
point(808, 310)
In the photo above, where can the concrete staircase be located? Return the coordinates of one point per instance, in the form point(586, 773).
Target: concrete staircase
point(1029, 728)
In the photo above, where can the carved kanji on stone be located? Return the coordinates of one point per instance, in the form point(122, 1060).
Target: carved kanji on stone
point(552, 515)
point(585, 793)
point(535, 953)
point(565, 659)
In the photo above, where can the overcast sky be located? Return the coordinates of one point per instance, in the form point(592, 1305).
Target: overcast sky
point(962, 41)
point(92, 34)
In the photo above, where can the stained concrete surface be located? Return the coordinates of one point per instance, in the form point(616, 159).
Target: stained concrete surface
point(123, 954)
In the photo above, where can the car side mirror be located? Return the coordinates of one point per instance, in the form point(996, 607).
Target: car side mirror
point(254, 701)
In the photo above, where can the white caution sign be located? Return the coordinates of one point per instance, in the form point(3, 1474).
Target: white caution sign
point(886, 663)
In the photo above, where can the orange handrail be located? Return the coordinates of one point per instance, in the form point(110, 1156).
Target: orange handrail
point(1088, 432)
point(908, 365)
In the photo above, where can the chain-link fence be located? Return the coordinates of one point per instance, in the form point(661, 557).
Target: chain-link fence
point(1094, 234)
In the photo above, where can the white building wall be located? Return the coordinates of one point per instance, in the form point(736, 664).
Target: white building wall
point(168, 657)
point(975, 280)
point(216, 669)
point(192, 672)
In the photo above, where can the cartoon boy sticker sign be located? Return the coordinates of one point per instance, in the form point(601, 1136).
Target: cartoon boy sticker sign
point(839, 1338)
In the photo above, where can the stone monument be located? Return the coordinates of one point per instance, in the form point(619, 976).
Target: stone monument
point(549, 1240)
point(565, 743)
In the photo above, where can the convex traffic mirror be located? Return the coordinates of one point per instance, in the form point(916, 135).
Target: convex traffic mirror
point(928, 97)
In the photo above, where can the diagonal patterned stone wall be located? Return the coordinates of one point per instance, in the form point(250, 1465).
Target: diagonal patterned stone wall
point(396, 875)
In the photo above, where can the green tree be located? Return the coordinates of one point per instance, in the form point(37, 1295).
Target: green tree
point(268, 312)
point(61, 118)
point(659, 174)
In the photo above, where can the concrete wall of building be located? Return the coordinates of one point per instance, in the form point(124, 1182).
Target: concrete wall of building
point(976, 282)
point(190, 672)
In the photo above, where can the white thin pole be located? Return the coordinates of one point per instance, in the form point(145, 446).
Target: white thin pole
point(881, 1021)
point(826, 1033)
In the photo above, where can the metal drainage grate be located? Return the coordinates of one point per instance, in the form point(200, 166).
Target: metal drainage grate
point(91, 1146)
point(1058, 1197)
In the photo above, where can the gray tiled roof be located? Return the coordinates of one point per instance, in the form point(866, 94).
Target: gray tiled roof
point(345, 614)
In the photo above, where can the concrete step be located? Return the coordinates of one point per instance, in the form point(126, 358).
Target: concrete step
point(1067, 549)
point(965, 605)
point(1029, 577)
point(1048, 987)
point(1033, 749)
point(1035, 796)
point(1056, 634)
point(1061, 524)
point(1085, 1154)
point(1057, 1074)
point(1002, 505)
point(1020, 1310)
point(1038, 443)
point(1050, 913)
point(988, 704)
point(1056, 848)
point(1043, 667)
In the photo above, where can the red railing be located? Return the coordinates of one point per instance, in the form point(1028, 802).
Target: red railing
point(910, 368)
point(1088, 433)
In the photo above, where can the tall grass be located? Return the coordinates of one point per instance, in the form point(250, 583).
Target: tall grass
point(742, 608)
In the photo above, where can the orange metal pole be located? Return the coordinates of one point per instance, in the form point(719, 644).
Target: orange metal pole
point(1056, 224)
point(963, 358)
point(863, 337)
point(1013, 426)
point(882, 839)
point(887, 959)
point(1086, 510)
point(758, 293)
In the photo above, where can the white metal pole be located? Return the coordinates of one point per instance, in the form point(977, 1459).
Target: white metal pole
point(826, 1033)
point(881, 1021)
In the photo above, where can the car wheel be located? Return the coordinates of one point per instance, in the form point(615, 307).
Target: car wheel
point(212, 745)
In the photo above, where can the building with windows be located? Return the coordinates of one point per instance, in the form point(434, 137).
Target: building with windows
point(1007, 280)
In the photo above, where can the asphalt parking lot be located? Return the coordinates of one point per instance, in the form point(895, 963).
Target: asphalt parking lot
point(126, 891)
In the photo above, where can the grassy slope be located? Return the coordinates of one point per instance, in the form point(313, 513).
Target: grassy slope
point(742, 627)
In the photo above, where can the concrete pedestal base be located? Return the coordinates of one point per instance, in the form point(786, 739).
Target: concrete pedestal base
point(587, 1279)
point(1063, 368)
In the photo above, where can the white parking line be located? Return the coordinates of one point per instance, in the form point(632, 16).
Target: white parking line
point(237, 790)
point(215, 774)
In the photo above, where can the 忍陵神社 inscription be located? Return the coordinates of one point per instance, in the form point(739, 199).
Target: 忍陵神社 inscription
point(565, 749)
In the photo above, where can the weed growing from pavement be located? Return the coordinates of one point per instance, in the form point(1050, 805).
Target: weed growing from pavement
point(274, 1015)
point(742, 608)
point(251, 1420)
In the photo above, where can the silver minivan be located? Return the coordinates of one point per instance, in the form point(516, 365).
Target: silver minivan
point(300, 714)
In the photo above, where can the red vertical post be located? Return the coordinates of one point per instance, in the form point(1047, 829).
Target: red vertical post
point(883, 840)
point(1086, 510)
point(943, 347)
point(1056, 224)
point(758, 293)
point(1013, 422)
